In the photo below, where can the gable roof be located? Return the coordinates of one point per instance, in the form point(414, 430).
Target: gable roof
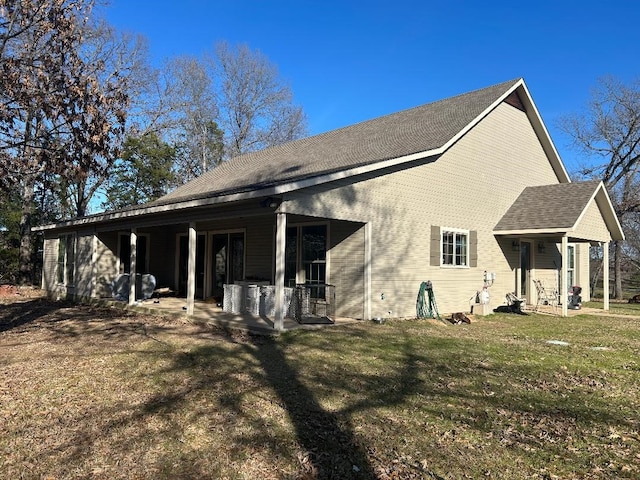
point(421, 131)
point(395, 139)
point(557, 209)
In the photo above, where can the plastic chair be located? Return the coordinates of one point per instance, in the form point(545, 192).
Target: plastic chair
point(546, 296)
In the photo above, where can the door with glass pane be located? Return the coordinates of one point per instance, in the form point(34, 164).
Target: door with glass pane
point(227, 261)
point(306, 258)
point(525, 270)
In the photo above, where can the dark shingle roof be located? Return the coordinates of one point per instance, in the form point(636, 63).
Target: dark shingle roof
point(407, 132)
point(548, 207)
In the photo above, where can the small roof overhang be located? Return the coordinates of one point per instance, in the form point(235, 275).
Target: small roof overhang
point(556, 211)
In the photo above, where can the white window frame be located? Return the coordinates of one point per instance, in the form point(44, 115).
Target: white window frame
point(300, 266)
point(65, 262)
point(456, 232)
point(571, 265)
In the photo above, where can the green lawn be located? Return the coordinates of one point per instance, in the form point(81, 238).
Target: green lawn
point(95, 393)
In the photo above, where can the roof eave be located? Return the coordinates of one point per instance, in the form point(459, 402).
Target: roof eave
point(532, 231)
point(257, 193)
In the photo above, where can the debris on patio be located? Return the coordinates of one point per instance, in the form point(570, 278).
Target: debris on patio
point(8, 290)
point(458, 318)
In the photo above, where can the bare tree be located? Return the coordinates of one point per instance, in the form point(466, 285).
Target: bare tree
point(609, 135)
point(196, 133)
point(256, 107)
point(56, 115)
point(109, 57)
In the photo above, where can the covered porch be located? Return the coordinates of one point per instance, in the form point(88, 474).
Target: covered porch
point(553, 227)
point(252, 244)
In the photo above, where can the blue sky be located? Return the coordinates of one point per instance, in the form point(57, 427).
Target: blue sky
point(348, 61)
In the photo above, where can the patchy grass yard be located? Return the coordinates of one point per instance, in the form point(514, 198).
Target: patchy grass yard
point(100, 394)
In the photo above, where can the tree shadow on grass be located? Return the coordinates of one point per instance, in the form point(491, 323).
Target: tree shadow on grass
point(18, 315)
point(328, 438)
point(214, 383)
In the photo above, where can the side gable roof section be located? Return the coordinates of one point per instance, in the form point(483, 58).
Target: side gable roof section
point(558, 209)
point(418, 133)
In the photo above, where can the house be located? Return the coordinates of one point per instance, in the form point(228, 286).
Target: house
point(459, 191)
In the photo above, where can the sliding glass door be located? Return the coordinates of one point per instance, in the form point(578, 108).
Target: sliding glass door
point(227, 261)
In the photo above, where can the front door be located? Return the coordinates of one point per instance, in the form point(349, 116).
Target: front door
point(525, 270)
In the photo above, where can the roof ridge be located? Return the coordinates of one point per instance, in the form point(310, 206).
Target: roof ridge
point(422, 128)
point(385, 115)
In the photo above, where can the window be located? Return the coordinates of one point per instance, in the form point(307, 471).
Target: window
point(455, 248)
point(306, 257)
point(571, 265)
point(66, 259)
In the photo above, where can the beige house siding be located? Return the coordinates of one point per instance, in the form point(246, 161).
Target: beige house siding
point(259, 238)
point(50, 264)
point(84, 265)
point(106, 262)
point(546, 268)
point(592, 225)
point(469, 187)
point(346, 254)
point(583, 274)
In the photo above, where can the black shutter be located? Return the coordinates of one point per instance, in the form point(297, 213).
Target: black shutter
point(434, 252)
point(473, 248)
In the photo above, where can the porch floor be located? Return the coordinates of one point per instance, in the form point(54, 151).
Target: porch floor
point(211, 313)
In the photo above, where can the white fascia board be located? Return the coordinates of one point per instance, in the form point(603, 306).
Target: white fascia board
point(352, 172)
point(532, 231)
point(543, 133)
point(482, 115)
point(153, 209)
point(610, 213)
point(275, 190)
point(600, 196)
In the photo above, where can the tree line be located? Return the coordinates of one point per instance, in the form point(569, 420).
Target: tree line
point(86, 122)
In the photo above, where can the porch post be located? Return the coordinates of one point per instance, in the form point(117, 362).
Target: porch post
point(191, 269)
point(563, 277)
point(605, 274)
point(281, 236)
point(367, 270)
point(133, 242)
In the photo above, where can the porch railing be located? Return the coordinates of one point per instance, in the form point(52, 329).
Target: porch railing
point(304, 303)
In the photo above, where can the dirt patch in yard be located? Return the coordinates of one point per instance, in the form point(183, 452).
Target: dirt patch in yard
point(12, 293)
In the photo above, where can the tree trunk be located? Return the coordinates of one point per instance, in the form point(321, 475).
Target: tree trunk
point(617, 272)
point(25, 275)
